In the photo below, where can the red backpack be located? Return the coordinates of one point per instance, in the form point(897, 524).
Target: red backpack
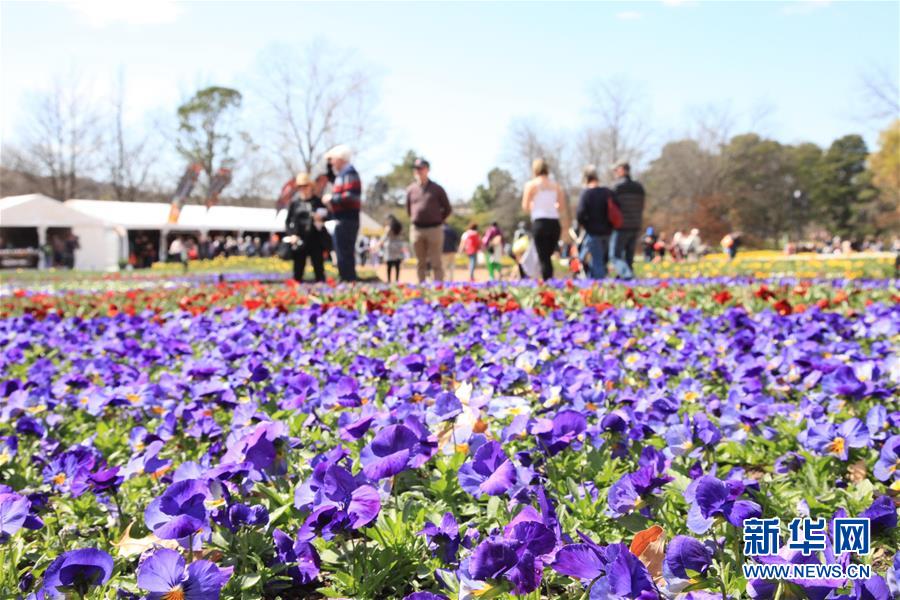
point(613, 212)
point(472, 243)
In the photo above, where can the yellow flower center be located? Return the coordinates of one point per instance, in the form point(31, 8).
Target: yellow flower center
point(175, 594)
point(59, 479)
point(836, 446)
point(133, 398)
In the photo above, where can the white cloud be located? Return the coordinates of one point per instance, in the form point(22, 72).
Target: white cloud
point(629, 15)
point(676, 3)
point(100, 13)
point(803, 7)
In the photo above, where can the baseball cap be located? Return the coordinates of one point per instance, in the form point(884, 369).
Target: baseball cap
point(421, 162)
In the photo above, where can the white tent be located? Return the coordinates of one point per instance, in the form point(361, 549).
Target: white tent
point(100, 241)
point(102, 225)
point(194, 217)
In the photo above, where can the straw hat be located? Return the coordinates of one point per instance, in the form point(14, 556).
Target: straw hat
point(302, 180)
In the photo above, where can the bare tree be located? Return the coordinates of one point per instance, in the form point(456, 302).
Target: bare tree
point(528, 141)
point(319, 98)
point(128, 162)
point(618, 127)
point(62, 137)
point(881, 93)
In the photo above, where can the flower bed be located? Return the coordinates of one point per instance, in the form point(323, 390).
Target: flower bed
point(245, 440)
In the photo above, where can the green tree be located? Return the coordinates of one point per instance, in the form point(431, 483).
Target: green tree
point(501, 199)
point(387, 192)
point(206, 127)
point(803, 161)
point(885, 167)
point(758, 185)
point(845, 197)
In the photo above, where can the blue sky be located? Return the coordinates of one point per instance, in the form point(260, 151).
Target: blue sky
point(453, 76)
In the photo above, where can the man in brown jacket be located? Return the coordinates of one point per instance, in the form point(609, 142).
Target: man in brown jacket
point(428, 207)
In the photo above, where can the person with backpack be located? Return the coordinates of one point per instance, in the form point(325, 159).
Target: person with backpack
point(630, 198)
point(470, 244)
point(598, 214)
point(393, 247)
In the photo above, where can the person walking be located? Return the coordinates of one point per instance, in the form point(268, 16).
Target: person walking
point(649, 242)
point(730, 243)
point(545, 201)
point(428, 208)
point(492, 243)
point(470, 244)
point(300, 230)
point(594, 217)
point(345, 204)
point(451, 243)
point(630, 198)
point(393, 246)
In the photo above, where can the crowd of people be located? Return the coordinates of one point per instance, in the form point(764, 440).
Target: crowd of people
point(600, 238)
point(604, 232)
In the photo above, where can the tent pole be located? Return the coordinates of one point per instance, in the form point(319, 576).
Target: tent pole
point(42, 241)
point(163, 246)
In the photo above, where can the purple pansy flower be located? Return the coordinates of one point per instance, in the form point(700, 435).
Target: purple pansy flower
point(69, 473)
point(300, 557)
point(686, 557)
point(180, 511)
point(888, 465)
point(828, 438)
point(14, 510)
point(164, 575)
point(711, 498)
point(341, 501)
point(78, 570)
point(488, 472)
point(443, 540)
point(425, 596)
point(517, 557)
point(393, 450)
point(615, 571)
point(558, 434)
point(882, 513)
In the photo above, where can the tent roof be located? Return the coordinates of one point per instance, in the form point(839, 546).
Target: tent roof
point(37, 210)
point(194, 217)
point(155, 215)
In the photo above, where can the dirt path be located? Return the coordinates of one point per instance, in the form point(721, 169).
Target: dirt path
point(460, 274)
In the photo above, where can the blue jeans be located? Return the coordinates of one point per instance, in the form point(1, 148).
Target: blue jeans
point(621, 249)
point(598, 247)
point(473, 262)
point(345, 232)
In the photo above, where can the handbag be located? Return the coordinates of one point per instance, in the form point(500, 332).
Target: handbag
point(531, 262)
point(286, 250)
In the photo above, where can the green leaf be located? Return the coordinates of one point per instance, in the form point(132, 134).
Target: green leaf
point(249, 581)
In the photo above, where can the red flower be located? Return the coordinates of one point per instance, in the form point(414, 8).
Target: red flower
point(722, 297)
point(783, 307)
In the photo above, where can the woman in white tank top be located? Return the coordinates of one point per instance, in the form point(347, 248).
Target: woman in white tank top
point(545, 201)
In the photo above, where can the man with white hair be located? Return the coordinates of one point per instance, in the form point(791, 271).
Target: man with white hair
point(345, 203)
